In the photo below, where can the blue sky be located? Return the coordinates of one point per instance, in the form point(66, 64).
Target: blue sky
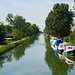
point(34, 11)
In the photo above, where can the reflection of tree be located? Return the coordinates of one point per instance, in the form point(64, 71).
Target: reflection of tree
point(5, 58)
point(20, 50)
point(1, 64)
point(16, 53)
point(57, 66)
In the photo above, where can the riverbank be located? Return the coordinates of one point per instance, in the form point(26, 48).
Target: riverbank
point(9, 46)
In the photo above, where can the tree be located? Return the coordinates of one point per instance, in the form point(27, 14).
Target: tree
point(17, 34)
point(33, 29)
point(10, 18)
point(28, 24)
point(8, 28)
point(59, 20)
point(21, 28)
point(2, 33)
point(19, 22)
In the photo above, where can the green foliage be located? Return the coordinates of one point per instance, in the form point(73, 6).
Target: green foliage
point(28, 24)
point(59, 20)
point(6, 48)
point(16, 43)
point(33, 29)
point(21, 28)
point(2, 34)
point(9, 41)
point(9, 19)
point(8, 28)
point(17, 34)
point(19, 22)
point(12, 45)
point(70, 38)
point(66, 38)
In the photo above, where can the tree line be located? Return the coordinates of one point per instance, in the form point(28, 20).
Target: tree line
point(59, 20)
point(18, 27)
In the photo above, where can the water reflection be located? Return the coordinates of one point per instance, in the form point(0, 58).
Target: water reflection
point(58, 66)
point(67, 58)
point(17, 53)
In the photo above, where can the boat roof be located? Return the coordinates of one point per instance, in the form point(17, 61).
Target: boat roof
point(70, 46)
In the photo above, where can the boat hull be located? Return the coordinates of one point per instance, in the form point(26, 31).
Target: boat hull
point(69, 52)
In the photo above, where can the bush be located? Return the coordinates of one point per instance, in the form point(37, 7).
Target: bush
point(66, 39)
point(70, 38)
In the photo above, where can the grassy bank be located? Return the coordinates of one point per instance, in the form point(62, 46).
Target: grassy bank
point(9, 46)
point(71, 38)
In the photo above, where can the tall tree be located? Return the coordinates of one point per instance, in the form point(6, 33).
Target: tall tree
point(17, 34)
point(19, 22)
point(8, 28)
point(21, 28)
point(33, 29)
point(59, 20)
point(2, 33)
point(10, 18)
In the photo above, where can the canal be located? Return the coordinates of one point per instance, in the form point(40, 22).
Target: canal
point(34, 58)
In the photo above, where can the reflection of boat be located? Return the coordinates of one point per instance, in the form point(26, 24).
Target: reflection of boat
point(66, 59)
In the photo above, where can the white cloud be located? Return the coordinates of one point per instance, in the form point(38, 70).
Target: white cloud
point(34, 11)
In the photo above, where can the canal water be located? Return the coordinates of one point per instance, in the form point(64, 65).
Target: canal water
point(35, 58)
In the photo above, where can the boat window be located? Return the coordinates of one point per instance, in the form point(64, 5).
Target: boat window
point(69, 47)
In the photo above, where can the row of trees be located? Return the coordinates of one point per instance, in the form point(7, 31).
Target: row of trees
point(59, 20)
point(18, 27)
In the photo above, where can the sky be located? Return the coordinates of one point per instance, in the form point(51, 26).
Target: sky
point(34, 11)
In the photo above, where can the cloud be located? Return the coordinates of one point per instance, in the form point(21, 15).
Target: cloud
point(34, 11)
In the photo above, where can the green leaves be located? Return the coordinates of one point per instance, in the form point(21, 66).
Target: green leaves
point(21, 28)
point(2, 33)
point(9, 19)
point(59, 20)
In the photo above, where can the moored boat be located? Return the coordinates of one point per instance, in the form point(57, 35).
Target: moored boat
point(55, 44)
point(70, 50)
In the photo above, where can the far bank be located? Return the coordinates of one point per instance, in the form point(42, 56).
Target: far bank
point(11, 45)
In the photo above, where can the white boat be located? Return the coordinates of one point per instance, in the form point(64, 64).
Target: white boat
point(55, 43)
point(69, 50)
point(52, 42)
point(62, 47)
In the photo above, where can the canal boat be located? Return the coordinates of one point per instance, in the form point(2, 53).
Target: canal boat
point(70, 50)
point(52, 42)
point(62, 47)
point(55, 44)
